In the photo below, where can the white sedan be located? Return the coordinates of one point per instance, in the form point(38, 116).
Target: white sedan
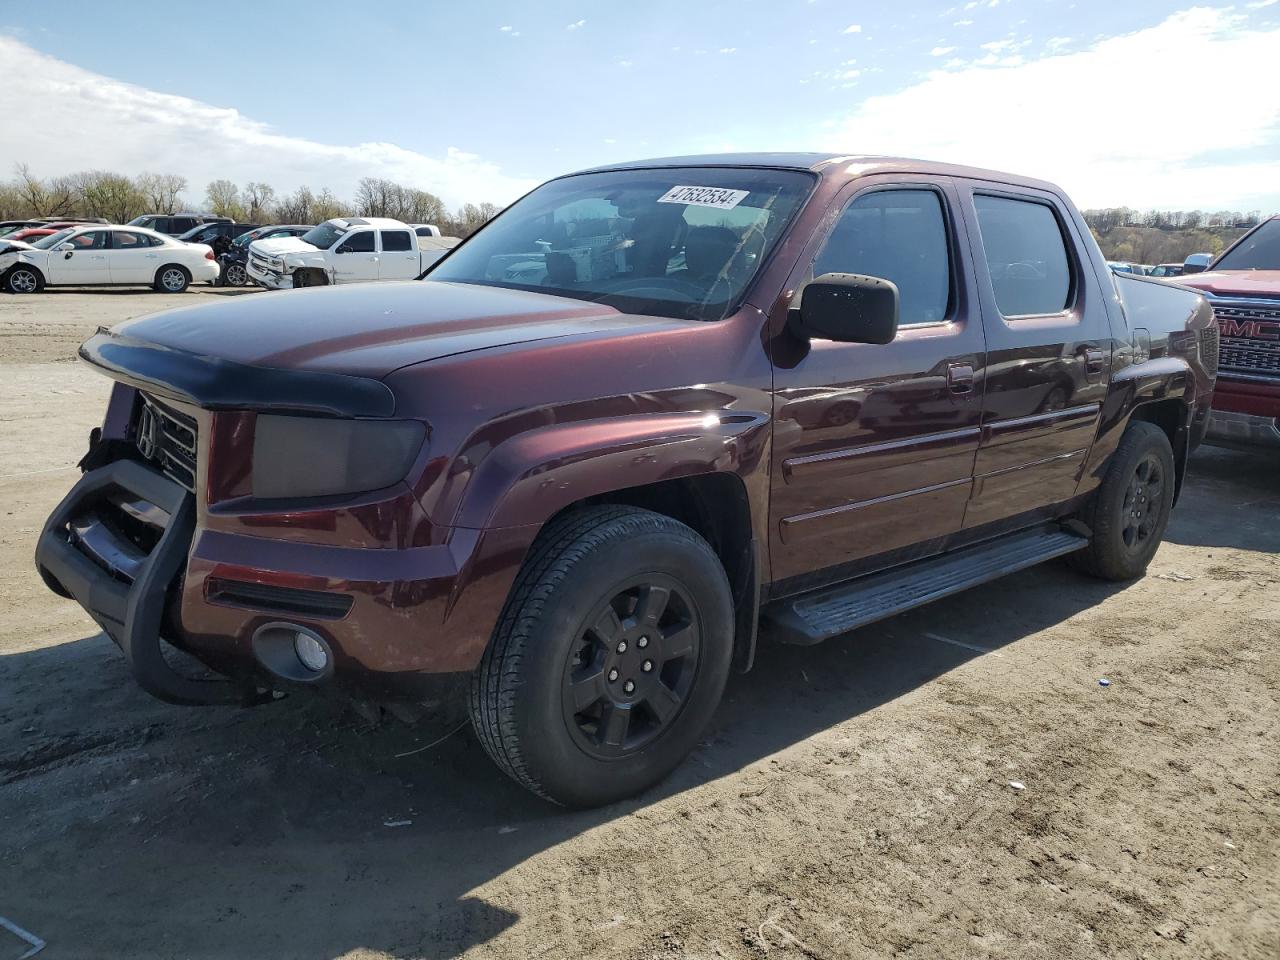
point(96, 255)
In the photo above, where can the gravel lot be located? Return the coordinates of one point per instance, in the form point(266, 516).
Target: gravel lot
point(852, 800)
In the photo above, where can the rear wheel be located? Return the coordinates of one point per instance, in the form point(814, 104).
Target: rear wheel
point(610, 657)
point(1130, 511)
point(23, 279)
point(172, 278)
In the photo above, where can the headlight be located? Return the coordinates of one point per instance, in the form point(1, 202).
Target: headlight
point(312, 457)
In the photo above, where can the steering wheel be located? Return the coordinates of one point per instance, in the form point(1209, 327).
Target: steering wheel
point(661, 289)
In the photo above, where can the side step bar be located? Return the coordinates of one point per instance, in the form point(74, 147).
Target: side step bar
point(831, 611)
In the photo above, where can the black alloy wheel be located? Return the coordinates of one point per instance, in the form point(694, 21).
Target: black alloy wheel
point(628, 675)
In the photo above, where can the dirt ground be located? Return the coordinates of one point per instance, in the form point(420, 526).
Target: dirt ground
point(852, 800)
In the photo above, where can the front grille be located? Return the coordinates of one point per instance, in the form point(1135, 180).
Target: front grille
point(168, 439)
point(1209, 345)
point(1250, 337)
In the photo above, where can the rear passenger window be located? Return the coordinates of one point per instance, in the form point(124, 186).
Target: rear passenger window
point(394, 240)
point(898, 235)
point(1026, 255)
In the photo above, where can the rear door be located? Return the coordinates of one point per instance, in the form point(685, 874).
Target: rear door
point(1048, 351)
point(399, 259)
point(355, 258)
point(874, 444)
point(134, 257)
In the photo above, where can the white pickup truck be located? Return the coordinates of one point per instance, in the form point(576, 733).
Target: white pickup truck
point(345, 250)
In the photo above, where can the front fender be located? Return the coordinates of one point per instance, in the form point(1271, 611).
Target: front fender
point(534, 475)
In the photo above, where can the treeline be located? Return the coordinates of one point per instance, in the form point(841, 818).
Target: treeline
point(1165, 236)
point(1109, 217)
point(119, 198)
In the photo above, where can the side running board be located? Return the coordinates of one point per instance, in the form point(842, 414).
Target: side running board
point(831, 611)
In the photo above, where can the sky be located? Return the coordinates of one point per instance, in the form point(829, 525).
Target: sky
point(1144, 104)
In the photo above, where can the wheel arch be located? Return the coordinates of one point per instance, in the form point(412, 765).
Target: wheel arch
point(715, 506)
point(1172, 416)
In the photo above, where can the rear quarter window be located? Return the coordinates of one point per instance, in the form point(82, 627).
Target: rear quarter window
point(1026, 255)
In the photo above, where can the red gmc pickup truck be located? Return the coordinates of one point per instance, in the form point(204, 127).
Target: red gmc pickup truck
point(1243, 286)
point(648, 413)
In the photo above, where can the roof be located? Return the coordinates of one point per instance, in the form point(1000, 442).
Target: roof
point(372, 222)
point(828, 164)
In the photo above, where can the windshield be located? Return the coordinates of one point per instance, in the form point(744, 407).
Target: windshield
point(53, 239)
point(249, 237)
point(1259, 250)
point(145, 220)
point(324, 236)
point(195, 232)
point(675, 242)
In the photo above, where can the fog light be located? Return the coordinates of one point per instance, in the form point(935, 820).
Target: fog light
point(310, 651)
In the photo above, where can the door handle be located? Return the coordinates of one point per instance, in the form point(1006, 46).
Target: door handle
point(960, 378)
point(1094, 361)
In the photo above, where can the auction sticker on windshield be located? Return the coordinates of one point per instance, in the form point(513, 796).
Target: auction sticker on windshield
point(720, 197)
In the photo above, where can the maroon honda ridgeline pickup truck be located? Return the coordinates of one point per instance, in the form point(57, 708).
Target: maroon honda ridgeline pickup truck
point(1243, 287)
point(646, 413)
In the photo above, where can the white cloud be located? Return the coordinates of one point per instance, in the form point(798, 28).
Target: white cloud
point(1056, 43)
point(963, 23)
point(506, 29)
point(728, 49)
point(995, 46)
point(1051, 117)
point(941, 51)
point(628, 63)
point(853, 28)
point(576, 25)
point(133, 129)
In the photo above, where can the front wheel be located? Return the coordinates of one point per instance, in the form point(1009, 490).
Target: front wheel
point(1131, 508)
point(609, 659)
point(234, 275)
point(172, 279)
point(23, 279)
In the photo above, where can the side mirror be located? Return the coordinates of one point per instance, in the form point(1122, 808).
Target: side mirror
point(1197, 263)
point(847, 307)
point(66, 247)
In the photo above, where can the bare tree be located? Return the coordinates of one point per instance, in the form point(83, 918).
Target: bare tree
point(161, 190)
point(223, 198)
point(296, 208)
point(110, 195)
point(257, 198)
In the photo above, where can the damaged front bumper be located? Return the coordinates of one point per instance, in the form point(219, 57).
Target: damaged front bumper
point(125, 589)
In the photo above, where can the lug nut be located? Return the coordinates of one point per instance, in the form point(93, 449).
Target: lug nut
point(613, 674)
point(647, 666)
point(642, 642)
point(622, 646)
point(628, 687)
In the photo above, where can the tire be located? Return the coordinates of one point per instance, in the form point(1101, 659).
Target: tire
point(234, 275)
point(551, 701)
point(23, 279)
point(172, 278)
point(1126, 529)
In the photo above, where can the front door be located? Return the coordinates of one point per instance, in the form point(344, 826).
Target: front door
point(874, 444)
point(355, 258)
point(86, 263)
point(399, 258)
point(1048, 352)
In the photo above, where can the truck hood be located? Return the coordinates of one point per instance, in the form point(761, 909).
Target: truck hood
point(1235, 283)
point(281, 245)
point(370, 330)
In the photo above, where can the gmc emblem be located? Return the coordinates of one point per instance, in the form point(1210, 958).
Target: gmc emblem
point(1252, 329)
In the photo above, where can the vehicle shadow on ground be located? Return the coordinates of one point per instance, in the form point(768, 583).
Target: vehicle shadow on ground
point(291, 831)
point(1231, 499)
point(281, 831)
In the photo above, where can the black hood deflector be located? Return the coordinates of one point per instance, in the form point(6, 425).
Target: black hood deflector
point(217, 384)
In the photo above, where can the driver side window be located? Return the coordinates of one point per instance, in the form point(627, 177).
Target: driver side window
point(897, 235)
point(357, 243)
